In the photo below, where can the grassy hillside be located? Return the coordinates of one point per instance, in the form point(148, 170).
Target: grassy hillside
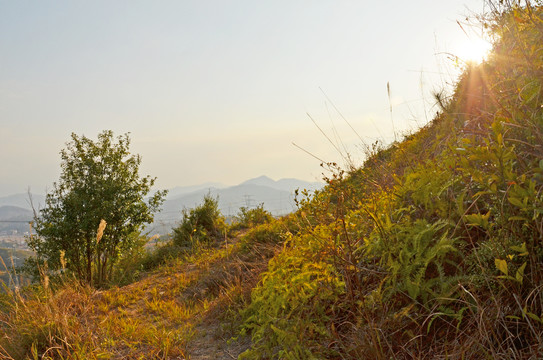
point(431, 249)
point(434, 247)
point(184, 304)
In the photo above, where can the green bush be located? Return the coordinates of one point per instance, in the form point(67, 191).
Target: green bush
point(160, 254)
point(248, 218)
point(200, 225)
point(288, 315)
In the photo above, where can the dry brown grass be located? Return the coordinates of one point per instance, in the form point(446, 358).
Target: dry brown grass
point(171, 313)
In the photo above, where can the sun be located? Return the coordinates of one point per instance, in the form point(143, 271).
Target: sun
point(473, 50)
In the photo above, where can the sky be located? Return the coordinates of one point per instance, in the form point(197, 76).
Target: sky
point(220, 91)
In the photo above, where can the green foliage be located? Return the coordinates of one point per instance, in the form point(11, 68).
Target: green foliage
point(436, 239)
point(159, 255)
point(265, 233)
point(248, 218)
point(200, 225)
point(415, 256)
point(289, 309)
point(130, 263)
point(99, 181)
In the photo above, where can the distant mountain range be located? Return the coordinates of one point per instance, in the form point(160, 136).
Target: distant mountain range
point(14, 219)
point(184, 190)
point(285, 184)
point(276, 197)
point(23, 201)
point(16, 212)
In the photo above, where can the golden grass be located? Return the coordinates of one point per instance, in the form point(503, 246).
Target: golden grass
point(154, 318)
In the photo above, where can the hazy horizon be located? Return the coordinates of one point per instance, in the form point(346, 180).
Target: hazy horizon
point(211, 184)
point(217, 91)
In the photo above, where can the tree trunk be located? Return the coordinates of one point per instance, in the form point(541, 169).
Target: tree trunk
point(99, 266)
point(103, 272)
point(89, 262)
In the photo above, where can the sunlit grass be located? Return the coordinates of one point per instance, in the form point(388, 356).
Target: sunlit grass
point(155, 317)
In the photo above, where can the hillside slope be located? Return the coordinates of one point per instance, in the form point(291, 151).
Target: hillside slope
point(431, 250)
point(184, 309)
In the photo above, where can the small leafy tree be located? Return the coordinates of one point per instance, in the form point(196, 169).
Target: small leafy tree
point(99, 181)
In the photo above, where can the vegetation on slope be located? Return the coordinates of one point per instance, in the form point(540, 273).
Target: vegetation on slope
point(175, 304)
point(432, 249)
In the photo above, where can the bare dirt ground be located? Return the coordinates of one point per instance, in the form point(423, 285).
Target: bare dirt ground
point(210, 343)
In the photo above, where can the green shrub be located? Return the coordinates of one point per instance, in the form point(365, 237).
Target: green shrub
point(160, 254)
point(200, 225)
point(248, 218)
point(288, 315)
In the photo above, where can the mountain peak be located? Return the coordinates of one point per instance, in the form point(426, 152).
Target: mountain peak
point(289, 184)
point(261, 180)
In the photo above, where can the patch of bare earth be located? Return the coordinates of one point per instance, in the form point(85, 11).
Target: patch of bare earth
point(210, 342)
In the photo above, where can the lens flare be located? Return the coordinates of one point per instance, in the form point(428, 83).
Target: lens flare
point(474, 50)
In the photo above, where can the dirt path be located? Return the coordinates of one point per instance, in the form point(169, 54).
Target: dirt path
point(209, 343)
point(184, 311)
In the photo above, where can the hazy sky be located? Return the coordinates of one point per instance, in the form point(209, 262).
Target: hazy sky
point(217, 90)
